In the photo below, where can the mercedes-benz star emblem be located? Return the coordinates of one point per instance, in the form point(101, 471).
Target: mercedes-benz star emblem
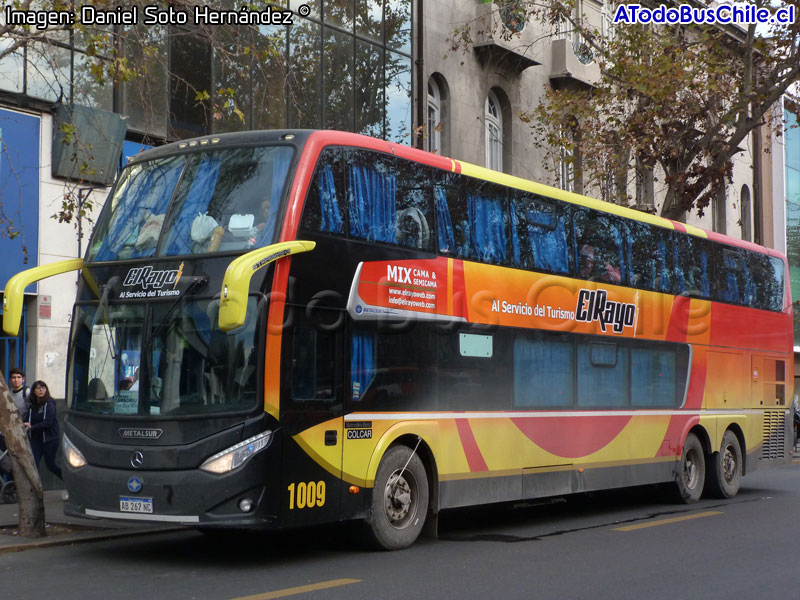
point(137, 459)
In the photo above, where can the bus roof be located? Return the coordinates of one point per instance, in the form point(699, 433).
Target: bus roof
point(325, 137)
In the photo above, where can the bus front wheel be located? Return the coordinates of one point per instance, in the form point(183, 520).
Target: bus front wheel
point(725, 468)
point(399, 499)
point(690, 477)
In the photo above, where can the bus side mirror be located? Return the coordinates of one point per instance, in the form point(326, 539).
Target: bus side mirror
point(236, 283)
point(15, 289)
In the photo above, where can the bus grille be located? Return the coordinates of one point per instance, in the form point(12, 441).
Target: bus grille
point(774, 435)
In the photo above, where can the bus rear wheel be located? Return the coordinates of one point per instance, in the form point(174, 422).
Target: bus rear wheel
point(690, 477)
point(724, 475)
point(399, 500)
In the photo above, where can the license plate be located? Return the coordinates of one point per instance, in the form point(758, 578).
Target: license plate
point(136, 505)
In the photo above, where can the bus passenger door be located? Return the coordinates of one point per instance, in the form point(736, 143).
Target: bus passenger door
point(311, 419)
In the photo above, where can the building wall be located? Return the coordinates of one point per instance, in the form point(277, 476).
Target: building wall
point(471, 73)
point(791, 156)
point(48, 336)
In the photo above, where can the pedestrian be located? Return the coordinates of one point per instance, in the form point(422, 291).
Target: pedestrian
point(20, 392)
point(42, 425)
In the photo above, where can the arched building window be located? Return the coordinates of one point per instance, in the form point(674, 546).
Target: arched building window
point(747, 229)
point(720, 215)
point(433, 142)
point(493, 123)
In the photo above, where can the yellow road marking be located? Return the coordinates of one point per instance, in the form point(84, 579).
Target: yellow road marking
point(667, 521)
point(302, 589)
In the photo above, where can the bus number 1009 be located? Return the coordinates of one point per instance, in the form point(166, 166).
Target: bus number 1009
point(306, 495)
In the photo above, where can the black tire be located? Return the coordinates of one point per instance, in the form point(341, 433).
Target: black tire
point(399, 500)
point(724, 470)
point(9, 493)
point(690, 476)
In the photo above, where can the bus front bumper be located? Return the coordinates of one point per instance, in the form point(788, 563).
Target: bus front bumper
point(190, 497)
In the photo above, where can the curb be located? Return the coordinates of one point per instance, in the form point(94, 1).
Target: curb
point(77, 538)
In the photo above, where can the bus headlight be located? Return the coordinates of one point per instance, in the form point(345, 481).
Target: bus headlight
point(235, 456)
point(72, 454)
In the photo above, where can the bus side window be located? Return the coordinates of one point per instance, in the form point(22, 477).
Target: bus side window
point(649, 257)
point(323, 210)
point(451, 215)
point(414, 218)
point(472, 218)
point(692, 266)
point(535, 356)
point(362, 364)
point(603, 375)
point(371, 181)
point(538, 235)
point(654, 377)
point(766, 274)
point(730, 280)
point(487, 214)
point(598, 247)
point(312, 366)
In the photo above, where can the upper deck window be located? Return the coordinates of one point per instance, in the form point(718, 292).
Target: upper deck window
point(538, 234)
point(373, 196)
point(598, 247)
point(692, 257)
point(767, 277)
point(197, 203)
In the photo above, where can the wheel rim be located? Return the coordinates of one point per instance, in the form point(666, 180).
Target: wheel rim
point(400, 499)
point(691, 473)
point(729, 464)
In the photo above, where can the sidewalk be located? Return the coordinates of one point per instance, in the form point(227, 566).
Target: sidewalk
point(65, 530)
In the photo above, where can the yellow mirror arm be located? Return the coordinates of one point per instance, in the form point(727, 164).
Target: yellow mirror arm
point(15, 289)
point(236, 283)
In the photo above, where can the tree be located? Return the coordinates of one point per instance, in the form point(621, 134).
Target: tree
point(26, 476)
point(679, 100)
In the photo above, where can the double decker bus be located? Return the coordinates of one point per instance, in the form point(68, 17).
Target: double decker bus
point(282, 328)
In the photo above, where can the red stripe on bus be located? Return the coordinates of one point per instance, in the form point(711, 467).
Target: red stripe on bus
point(679, 226)
point(679, 426)
point(572, 437)
point(471, 450)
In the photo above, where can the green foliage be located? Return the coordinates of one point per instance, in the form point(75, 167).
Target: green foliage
point(677, 100)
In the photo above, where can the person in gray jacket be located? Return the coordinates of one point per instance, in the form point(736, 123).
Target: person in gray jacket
point(20, 392)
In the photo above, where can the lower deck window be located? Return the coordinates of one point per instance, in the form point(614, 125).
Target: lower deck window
point(566, 371)
point(543, 373)
point(602, 375)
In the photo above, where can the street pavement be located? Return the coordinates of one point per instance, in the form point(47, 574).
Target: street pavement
point(62, 530)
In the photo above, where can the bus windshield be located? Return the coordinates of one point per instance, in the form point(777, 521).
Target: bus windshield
point(162, 359)
point(215, 201)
